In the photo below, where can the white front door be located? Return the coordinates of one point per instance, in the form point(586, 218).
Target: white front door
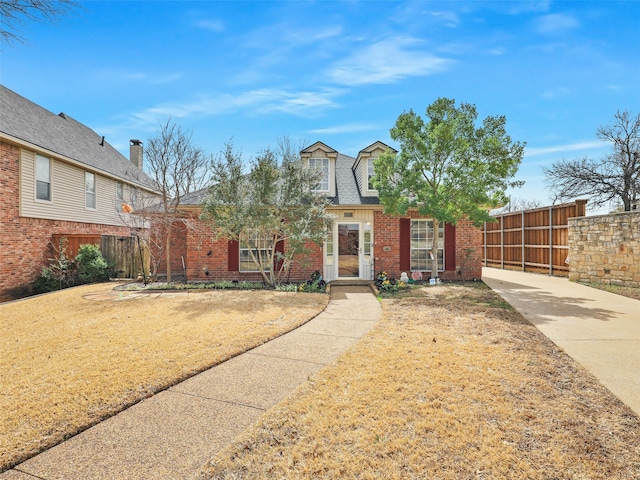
point(348, 251)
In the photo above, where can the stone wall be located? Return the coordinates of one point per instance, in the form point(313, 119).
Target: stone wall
point(605, 249)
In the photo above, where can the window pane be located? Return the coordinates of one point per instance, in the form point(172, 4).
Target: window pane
point(421, 241)
point(43, 191)
point(90, 190)
point(42, 169)
point(259, 246)
point(322, 165)
point(370, 173)
point(43, 178)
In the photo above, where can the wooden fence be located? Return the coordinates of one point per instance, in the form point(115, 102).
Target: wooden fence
point(125, 254)
point(534, 240)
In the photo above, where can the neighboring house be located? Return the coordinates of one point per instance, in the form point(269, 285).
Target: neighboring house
point(363, 239)
point(57, 177)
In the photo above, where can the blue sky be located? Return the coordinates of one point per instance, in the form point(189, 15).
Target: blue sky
point(336, 71)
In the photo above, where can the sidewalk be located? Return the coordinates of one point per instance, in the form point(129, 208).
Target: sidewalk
point(600, 330)
point(174, 433)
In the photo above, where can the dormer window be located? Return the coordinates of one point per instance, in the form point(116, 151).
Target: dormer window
point(370, 174)
point(322, 165)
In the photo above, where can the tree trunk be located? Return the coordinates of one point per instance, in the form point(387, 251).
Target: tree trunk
point(168, 252)
point(434, 249)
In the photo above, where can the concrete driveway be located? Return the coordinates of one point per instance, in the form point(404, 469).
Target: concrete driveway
point(600, 330)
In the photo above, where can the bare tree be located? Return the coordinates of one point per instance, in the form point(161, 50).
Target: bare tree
point(15, 12)
point(178, 168)
point(516, 204)
point(616, 176)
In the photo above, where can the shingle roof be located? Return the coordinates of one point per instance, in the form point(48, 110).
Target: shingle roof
point(195, 198)
point(24, 120)
point(347, 192)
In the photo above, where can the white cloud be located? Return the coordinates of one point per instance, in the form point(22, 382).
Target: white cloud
point(387, 61)
point(534, 6)
point(262, 101)
point(295, 103)
point(449, 18)
point(555, 23)
point(571, 147)
point(347, 128)
point(213, 25)
point(139, 77)
point(555, 93)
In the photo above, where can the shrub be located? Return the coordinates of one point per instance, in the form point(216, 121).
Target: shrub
point(315, 284)
point(58, 274)
point(387, 285)
point(90, 265)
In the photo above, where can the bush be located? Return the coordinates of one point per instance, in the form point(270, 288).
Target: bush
point(59, 274)
point(46, 282)
point(387, 285)
point(316, 284)
point(90, 265)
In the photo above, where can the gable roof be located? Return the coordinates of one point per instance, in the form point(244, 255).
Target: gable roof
point(319, 145)
point(23, 120)
point(376, 145)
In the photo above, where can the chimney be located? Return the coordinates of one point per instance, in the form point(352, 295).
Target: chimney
point(135, 152)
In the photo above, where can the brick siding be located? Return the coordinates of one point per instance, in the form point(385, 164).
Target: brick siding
point(387, 240)
point(206, 258)
point(25, 243)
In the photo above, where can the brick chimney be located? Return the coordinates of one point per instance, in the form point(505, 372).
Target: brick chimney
point(135, 152)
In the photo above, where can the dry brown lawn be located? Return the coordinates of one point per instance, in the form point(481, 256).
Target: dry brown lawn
point(631, 292)
point(72, 358)
point(451, 384)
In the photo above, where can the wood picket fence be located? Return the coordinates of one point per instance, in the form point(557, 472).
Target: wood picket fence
point(535, 240)
point(126, 254)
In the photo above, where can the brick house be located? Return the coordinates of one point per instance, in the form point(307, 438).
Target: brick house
point(363, 239)
point(57, 177)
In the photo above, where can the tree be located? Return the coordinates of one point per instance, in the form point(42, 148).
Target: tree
point(178, 169)
point(615, 176)
point(516, 204)
point(275, 204)
point(447, 168)
point(14, 12)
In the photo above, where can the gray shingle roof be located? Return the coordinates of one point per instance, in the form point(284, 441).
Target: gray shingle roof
point(347, 192)
point(22, 119)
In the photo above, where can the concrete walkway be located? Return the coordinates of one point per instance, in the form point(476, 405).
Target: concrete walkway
point(174, 433)
point(600, 330)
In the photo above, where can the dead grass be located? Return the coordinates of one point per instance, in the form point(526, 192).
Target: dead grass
point(67, 362)
point(630, 292)
point(451, 384)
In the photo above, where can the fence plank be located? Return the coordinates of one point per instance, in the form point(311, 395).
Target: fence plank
point(535, 240)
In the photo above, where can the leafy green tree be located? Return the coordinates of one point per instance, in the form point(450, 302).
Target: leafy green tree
point(448, 168)
point(276, 201)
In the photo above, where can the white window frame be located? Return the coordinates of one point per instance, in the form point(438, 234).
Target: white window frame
point(119, 195)
point(370, 173)
point(43, 177)
point(90, 197)
point(324, 166)
point(261, 249)
point(420, 247)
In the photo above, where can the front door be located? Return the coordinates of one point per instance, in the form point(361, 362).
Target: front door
point(348, 250)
